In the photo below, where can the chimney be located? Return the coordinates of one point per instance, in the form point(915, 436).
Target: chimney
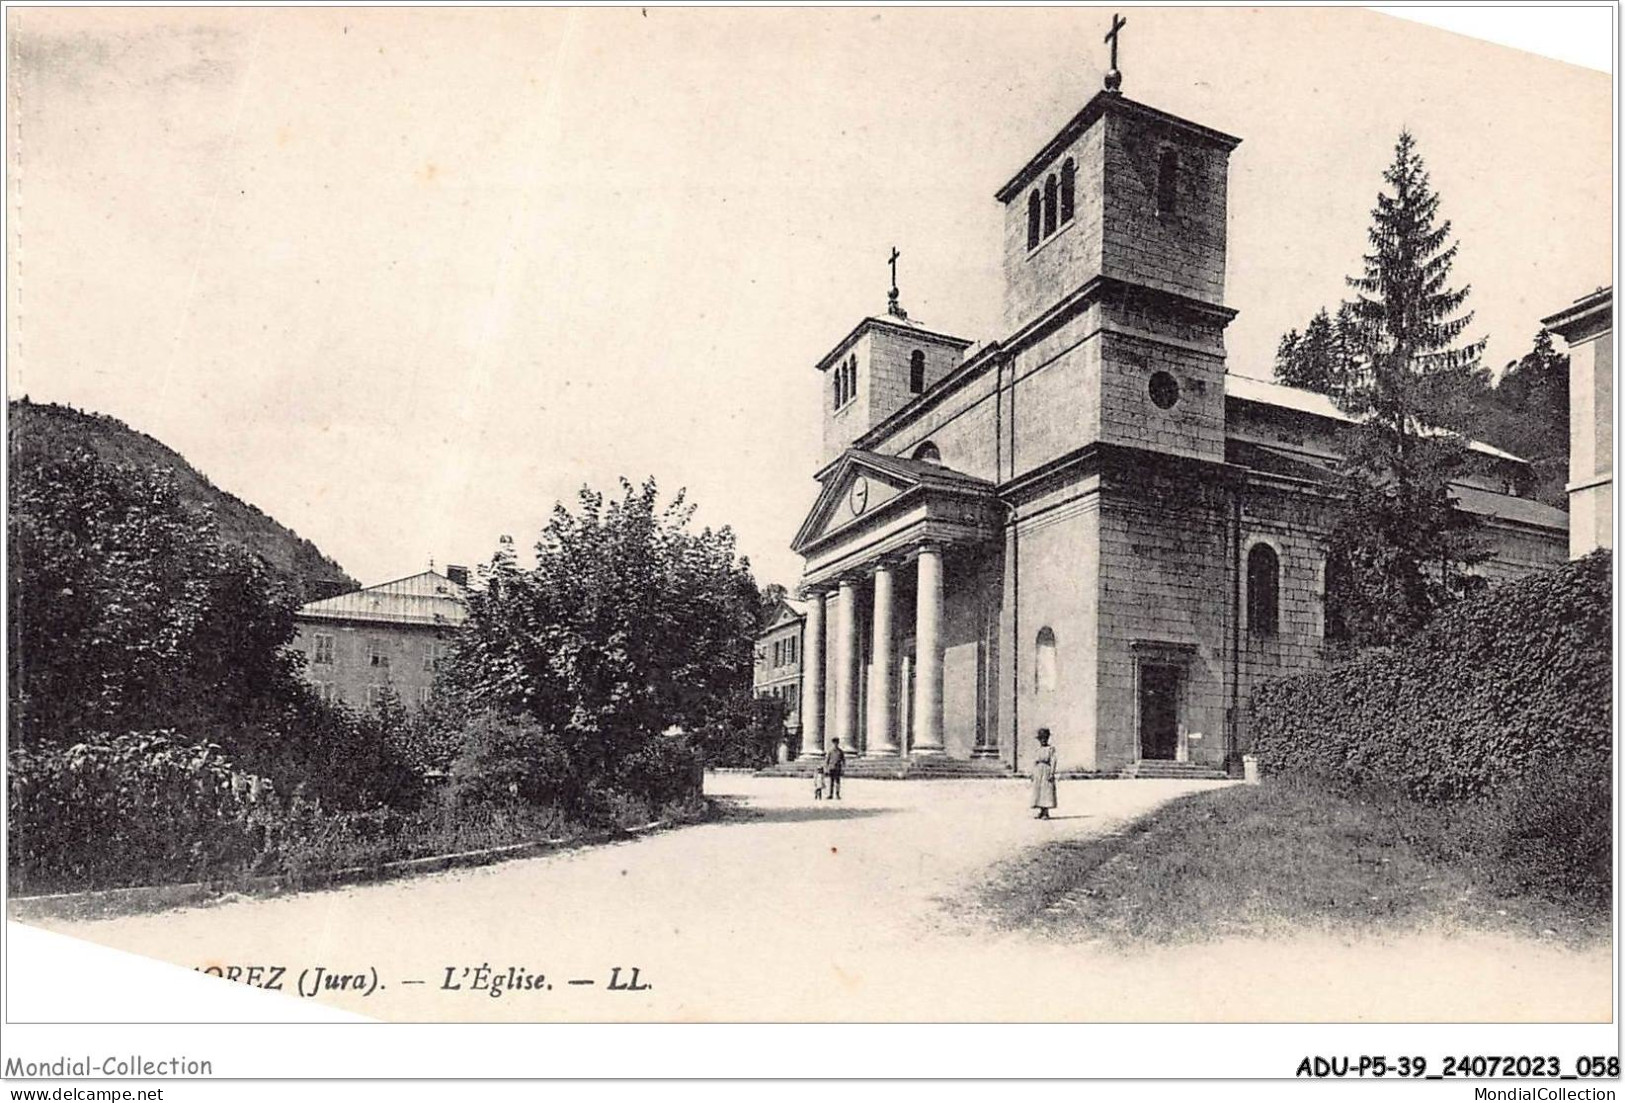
point(457, 574)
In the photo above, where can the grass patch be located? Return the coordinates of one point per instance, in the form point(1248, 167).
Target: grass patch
point(1272, 860)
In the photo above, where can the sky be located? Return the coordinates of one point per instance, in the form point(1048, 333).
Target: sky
point(403, 278)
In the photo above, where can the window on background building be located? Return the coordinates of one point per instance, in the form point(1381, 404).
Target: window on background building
point(1035, 219)
point(790, 695)
point(1263, 590)
point(928, 452)
point(1069, 190)
point(1168, 181)
point(1336, 627)
point(375, 695)
point(916, 372)
point(423, 695)
point(323, 649)
point(432, 652)
point(1044, 674)
point(1050, 189)
point(377, 653)
point(790, 650)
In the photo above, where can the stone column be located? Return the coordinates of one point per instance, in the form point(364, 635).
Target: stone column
point(812, 679)
point(928, 654)
point(846, 667)
point(882, 706)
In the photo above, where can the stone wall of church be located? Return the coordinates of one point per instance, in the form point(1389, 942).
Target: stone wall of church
point(888, 356)
point(1036, 279)
point(1164, 596)
point(1055, 395)
point(969, 680)
point(964, 426)
point(1053, 555)
point(1192, 426)
point(1293, 523)
point(1181, 250)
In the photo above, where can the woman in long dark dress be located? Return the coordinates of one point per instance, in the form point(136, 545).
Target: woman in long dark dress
point(1044, 775)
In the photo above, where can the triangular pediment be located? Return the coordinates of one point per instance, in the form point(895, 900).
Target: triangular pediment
point(855, 489)
point(784, 614)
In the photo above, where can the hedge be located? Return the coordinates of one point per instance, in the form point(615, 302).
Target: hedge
point(1514, 679)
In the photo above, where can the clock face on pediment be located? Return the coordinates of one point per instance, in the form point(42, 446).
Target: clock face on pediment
point(858, 494)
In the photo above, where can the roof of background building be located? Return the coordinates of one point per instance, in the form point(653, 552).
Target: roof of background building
point(429, 598)
point(1590, 309)
point(1508, 507)
point(1269, 393)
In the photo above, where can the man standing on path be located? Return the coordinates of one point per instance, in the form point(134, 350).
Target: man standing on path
point(834, 763)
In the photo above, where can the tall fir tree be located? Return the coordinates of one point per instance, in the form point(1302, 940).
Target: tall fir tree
point(1399, 549)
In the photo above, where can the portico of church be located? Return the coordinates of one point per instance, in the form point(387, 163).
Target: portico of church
point(900, 641)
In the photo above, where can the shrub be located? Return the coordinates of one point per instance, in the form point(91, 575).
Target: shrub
point(513, 760)
point(130, 809)
point(1519, 674)
point(666, 769)
point(1499, 715)
point(746, 730)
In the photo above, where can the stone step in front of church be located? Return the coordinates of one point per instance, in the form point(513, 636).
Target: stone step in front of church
point(937, 766)
point(901, 768)
point(1181, 771)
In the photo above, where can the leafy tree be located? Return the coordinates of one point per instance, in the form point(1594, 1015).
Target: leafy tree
point(1399, 548)
point(125, 609)
point(772, 594)
point(629, 624)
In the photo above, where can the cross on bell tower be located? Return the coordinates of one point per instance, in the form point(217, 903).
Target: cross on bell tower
point(1114, 76)
point(893, 307)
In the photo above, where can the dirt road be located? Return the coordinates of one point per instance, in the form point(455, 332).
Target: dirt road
point(799, 911)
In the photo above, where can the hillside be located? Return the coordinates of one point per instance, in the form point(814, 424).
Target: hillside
point(47, 428)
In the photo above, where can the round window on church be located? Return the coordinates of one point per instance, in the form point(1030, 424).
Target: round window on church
point(1164, 389)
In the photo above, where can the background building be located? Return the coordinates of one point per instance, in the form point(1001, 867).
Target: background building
point(1588, 327)
point(778, 663)
point(386, 637)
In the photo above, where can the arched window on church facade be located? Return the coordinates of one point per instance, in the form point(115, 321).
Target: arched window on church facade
point(1050, 189)
point(916, 372)
point(1263, 591)
point(1168, 181)
point(1044, 675)
point(928, 452)
point(1069, 190)
point(1035, 219)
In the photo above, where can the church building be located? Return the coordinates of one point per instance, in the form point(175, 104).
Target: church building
point(1086, 524)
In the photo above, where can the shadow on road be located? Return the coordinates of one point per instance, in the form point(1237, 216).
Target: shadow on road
point(729, 810)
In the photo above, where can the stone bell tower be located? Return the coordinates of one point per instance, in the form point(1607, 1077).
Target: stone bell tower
point(1124, 212)
point(886, 362)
